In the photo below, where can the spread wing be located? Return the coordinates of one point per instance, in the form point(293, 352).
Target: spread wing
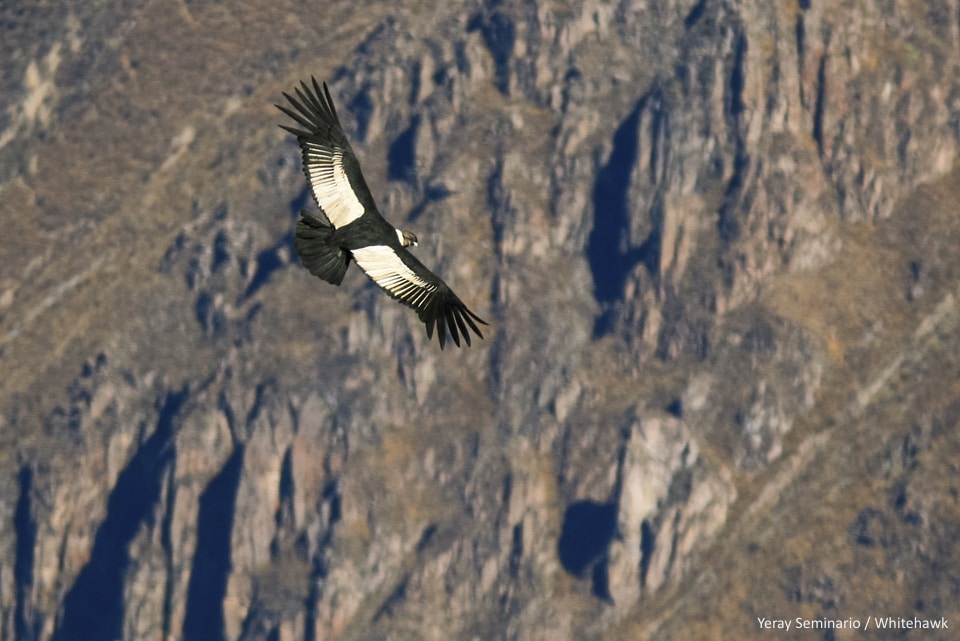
point(405, 278)
point(330, 165)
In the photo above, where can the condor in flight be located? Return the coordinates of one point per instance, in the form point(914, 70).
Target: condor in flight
point(350, 226)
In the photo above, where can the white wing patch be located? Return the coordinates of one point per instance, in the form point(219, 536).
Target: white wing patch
point(331, 187)
point(386, 269)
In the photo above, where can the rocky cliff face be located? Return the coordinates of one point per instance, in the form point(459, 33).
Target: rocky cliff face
point(716, 244)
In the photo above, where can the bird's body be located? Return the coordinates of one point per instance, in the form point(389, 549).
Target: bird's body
point(351, 228)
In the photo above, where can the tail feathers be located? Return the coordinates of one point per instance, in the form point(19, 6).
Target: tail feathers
point(318, 253)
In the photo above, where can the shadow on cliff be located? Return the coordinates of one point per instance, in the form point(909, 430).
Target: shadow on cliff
point(609, 253)
point(211, 561)
point(588, 530)
point(93, 608)
point(500, 36)
point(26, 624)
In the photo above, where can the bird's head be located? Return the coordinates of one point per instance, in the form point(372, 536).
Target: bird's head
point(407, 238)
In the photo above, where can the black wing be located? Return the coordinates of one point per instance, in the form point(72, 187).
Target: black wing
point(331, 167)
point(405, 278)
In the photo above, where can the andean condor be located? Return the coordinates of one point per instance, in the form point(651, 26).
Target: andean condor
point(350, 226)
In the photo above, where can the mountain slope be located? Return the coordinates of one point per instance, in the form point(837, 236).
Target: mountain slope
point(715, 242)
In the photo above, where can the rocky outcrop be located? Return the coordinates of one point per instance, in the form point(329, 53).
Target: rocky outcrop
point(715, 242)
